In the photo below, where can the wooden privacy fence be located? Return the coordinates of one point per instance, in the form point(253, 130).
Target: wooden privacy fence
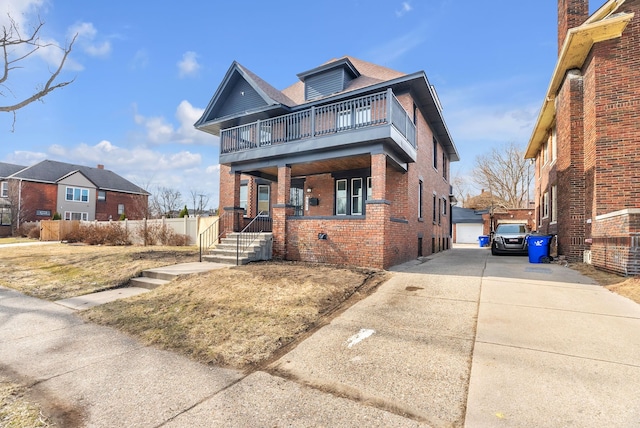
point(57, 230)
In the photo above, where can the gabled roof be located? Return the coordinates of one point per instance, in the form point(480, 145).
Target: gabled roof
point(49, 171)
point(466, 215)
point(7, 169)
point(604, 24)
point(367, 77)
point(268, 93)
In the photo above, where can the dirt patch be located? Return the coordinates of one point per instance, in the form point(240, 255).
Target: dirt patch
point(627, 287)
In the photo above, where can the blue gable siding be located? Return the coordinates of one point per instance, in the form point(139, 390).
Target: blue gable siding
point(325, 84)
point(241, 97)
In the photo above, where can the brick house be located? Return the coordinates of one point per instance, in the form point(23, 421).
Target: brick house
point(75, 192)
point(586, 141)
point(350, 163)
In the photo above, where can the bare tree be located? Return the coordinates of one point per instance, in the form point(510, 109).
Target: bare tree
point(461, 189)
point(506, 174)
point(165, 202)
point(199, 200)
point(17, 47)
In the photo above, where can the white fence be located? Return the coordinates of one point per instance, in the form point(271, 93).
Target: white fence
point(188, 226)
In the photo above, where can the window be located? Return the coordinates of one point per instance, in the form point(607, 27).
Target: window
point(265, 135)
point(435, 153)
point(102, 195)
point(69, 215)
point(363, 116)
point(545, 205)
point(344, 119)
point(120, 209)
point(420, 189)
point(444, 206)
point(350, 195)
point(415, 114)
point(77, 194)
point(435, 209)
point(356, 196)
point(4, 189)
point(264, 191)
point(444, 165)
point(554, 145)
point(296, 199)
point(439, 210)
point(341, 197)
point(554, 203)
point(5, 216)
point(244, 193)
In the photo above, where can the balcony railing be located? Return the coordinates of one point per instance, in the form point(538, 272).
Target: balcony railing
point(372, 110)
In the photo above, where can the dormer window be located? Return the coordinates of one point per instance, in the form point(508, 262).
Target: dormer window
point(328, 79)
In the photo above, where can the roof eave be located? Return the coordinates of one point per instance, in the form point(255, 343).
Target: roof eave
point(575, 50)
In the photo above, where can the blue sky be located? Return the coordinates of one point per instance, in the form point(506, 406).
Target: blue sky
point(145, 72)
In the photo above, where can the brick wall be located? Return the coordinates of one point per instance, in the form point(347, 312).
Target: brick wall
point(37, 196)
point(135, 206)
point(571, 13)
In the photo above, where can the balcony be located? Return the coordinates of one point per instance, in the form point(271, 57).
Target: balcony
point(347, 125)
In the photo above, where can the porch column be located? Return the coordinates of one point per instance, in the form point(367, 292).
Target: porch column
point(281, 209)
point(378, 211)
point(230, 198)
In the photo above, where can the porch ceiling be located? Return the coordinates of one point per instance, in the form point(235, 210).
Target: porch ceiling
point(317, 167)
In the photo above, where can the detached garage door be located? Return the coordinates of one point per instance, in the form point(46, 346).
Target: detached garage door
point(467, 233)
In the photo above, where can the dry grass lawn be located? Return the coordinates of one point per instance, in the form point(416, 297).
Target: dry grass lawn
point(628, 287)
point(17, 411)
point(240, 317)
point(58, 271)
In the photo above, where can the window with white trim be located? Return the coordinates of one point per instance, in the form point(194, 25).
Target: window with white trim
point(554, 203)
point(102, 195)
point(264, 195)
point(244, 197)
point(545, 205)
point(356, 196)
point(77, 194)
point(120, 209)
point(435, 208)
point(350, 195)
point(444, 206)
point(70, 215)
point(4, 189)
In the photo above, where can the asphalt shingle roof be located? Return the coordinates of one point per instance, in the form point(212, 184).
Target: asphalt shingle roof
point(49, 171)
point(7, 169)
point(465, 215)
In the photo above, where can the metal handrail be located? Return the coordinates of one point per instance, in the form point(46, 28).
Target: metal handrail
point(250, 233)
point(209, 235)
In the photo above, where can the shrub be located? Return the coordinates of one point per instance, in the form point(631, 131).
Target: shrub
point(161, 234)
point(94, 234)
point(56, 216)
point(29, 230)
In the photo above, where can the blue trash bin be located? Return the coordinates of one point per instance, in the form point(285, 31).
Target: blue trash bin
point(538, 247)
point(483, 240)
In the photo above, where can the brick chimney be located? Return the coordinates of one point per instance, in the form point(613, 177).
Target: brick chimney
point(571, 13)
point(100, 166)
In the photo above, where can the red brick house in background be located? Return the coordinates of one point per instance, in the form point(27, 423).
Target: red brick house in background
point(75, 192)
point(351, 163)
point(586, 141)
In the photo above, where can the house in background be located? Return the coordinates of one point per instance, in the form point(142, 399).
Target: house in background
point(586, 141)
point(350, 164)
point(6, 170)
point(75, 192)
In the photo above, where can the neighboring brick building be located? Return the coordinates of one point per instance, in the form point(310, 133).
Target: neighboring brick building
point(75, 192)
point(351, 163)
point(586, 141)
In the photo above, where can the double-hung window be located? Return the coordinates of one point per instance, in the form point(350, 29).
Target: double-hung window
point(351, 195)
point(77, 194)
point(4, 189)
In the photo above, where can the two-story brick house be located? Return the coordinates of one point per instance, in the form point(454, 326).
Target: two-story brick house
point(350, 163)
point(76, 192)
point(586, 141)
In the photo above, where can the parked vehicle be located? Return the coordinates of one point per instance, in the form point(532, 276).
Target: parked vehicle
point(510, 238)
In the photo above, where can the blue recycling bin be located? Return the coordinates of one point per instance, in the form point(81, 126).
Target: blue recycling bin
point(484, 240)
point(538, 248)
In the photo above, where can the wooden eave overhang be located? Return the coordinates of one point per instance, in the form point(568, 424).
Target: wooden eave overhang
point(601, 26)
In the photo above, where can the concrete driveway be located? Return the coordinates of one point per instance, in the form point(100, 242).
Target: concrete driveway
point(463, 338)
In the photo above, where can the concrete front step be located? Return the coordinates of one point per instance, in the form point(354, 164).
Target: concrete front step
point(229, 260)
point(148, 283)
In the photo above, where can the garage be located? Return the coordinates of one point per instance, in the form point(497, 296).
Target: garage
point(467, 233)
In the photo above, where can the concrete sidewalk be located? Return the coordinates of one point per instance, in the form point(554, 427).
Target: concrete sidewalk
point(550, 350)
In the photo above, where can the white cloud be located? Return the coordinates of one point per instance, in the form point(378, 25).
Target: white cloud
point(21, 11)
point(160, 131)
point(20, 157)
point(393, 49)
point(406, 7)
point(86, 39)
point(188, 65)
